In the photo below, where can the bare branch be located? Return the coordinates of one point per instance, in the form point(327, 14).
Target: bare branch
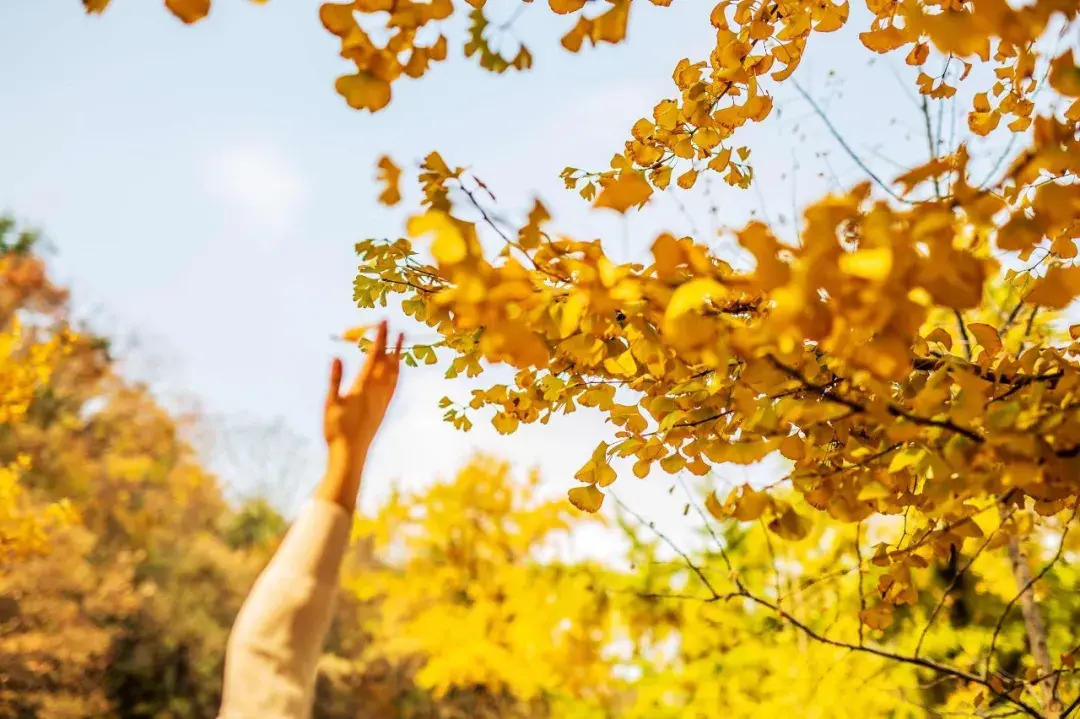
point(955, 580)
point(708, 526)
point(847, 148)
point(686, 558)
point(941, 669)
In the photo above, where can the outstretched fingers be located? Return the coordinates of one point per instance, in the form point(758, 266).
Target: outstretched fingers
point(333, 394)
point(379, 348)
point(394, 358)
point(374, 359)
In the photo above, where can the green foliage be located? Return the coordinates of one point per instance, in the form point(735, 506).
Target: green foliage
point(16, 242)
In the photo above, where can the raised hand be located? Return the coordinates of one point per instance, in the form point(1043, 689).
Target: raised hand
point(352, 418)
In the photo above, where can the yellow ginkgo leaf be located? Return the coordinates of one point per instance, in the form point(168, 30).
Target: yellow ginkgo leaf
point(1057, 289)
point(505, 423)
point(692, 295)
point(337, 18)
point(449, 246)
point(355, 334)
point(364, 91)
point(790, 525)
point(871, 264)
point(713, 506)
point(986, 336)
point(747, 504)
point(940, 335)
point(920, 51)
point(587, 499)
point(707, 138)
point(673, 463)
point(884, 40)
point(830, 17)
point(95, 6)
point(390, 175)
point(880, 616)
point(622, 366)
point(983, 123)
point(189, 10)
point(687, 179)
point(564, 7)
point(628, 190)
point(966, 528)
point(1065, 75)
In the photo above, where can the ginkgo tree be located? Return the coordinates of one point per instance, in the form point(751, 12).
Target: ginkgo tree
point(904, 353)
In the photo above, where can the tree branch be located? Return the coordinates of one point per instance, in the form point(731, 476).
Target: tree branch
point(847, 148)
point(1023, 590)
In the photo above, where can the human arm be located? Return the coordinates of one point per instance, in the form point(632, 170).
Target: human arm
point(272, 656)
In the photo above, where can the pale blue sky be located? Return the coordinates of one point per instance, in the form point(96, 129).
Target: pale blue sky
point(204, 187)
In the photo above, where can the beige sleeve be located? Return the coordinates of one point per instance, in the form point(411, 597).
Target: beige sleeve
point(273, 652)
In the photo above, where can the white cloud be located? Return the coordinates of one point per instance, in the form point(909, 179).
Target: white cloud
point(262, 189)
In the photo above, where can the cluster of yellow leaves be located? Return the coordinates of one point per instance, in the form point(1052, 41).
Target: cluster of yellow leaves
point(25, 369)
point(756, 42)
point(379, 66)
point(690, 134)
point(838, 353)
point(971, 32)
point(747, 505)
point(189, 11)
point(25, 530)
point(874, 355)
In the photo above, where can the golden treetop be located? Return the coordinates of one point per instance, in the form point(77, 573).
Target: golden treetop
point(468, 577)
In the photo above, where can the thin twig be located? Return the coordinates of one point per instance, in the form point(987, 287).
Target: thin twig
point(955, 580)
point(708, 527)
point(862, 595)
point(847, 148)
point(772, 560)
point(915, 661)
point(685, 557)
point(891, 408)
point(942, 669)
point(930, 143)
point(963, 333)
